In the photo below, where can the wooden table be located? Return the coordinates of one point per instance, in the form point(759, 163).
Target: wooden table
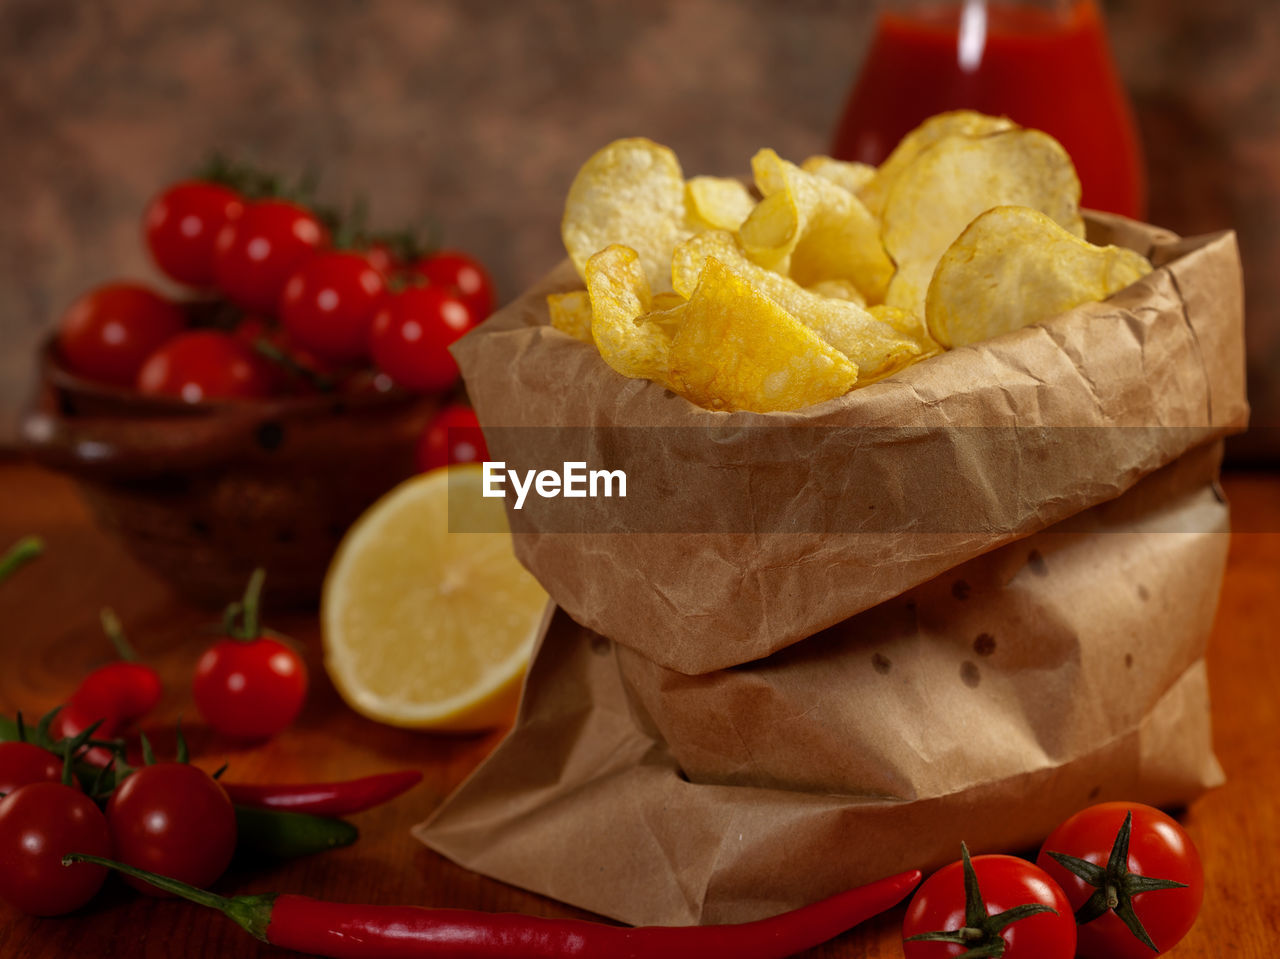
point(51, 637)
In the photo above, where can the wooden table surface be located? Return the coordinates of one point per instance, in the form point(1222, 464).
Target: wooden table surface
point(51, 638)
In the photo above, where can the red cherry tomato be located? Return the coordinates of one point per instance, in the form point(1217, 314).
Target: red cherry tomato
point(452, 436)
point(24, 763)
point(1004, 882)
point(249, 689)
point(255, 254)
point(205, 365)
point(382, 259)
point(453, 268)
point(1159, 849)
point(39, 824)
point(173, 819)
point(329, 303)
point(109, 332)
point(412, 333)
point(181, 225)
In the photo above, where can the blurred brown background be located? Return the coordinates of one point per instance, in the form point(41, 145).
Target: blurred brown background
point(478, 112)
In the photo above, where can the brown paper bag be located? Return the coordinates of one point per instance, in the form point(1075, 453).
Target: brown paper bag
point(795, 706)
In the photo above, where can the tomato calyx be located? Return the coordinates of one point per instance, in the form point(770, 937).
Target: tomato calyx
point(1115, 884)
point(980, 932)
point(19, 554)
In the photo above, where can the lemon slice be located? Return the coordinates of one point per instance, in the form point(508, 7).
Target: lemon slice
point(427, 628)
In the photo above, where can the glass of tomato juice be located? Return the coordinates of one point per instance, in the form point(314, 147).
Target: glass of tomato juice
point(1043, 63)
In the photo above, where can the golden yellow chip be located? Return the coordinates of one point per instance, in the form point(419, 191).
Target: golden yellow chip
point(873, 346)
point(910, 325)
point(1014, 266)
point(738, 350)
point(846, 173)
point(571, 313)
point(963, 123)
point(717, 203)
point(632, 193)
point(948, 184)
point(622, 325)
point(812, 230)
point(840, 289)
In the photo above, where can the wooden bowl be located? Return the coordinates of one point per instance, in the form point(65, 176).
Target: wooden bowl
point(203, 493)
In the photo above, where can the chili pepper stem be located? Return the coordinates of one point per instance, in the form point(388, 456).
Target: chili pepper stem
point(115, 632)
point(251, 913)
point(21, 553)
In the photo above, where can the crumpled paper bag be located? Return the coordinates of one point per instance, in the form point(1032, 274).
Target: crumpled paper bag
point(779, 715)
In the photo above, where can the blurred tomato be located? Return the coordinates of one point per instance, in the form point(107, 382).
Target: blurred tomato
point(182, 224)
point(412, 333)
point(205, 365)
point(453, 436)
point(255, 255)
point(109, 332)
point(453, 268)
point(329, 302)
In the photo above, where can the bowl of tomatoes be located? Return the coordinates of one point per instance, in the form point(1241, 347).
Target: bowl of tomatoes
point(247, 421)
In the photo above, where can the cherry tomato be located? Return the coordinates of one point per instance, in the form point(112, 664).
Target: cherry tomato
point(25, 763)
point(173, 819)
point(453, 268)
point(329, 303)
point(1004, 883)
point(382, 259)
point(182, 224)
point(255, 254)
point(205, 365)
point(39, 824)
point(452, 436)
point(109, 332)
point(249, 689)
point(1160, 881)
point(412, 333)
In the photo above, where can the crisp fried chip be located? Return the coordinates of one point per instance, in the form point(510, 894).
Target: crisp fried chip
point(909, 324)
point(948, 184)
point(738, 350)
point(632, 193)
point(964, 123)
point(846, 173)
point(717, 203)
point(873, 346)
point(571, 313)
point(812, 230)
point(1014, 266)
point(840, 289)
point(630, 339)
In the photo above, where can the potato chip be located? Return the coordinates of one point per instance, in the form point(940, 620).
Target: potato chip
point(840, 289)
point(631, 193)
point(873, 346)
point(908, 324)
point(1014, 266)
point(846, 173)
point(964, 123)
point(717, 203)
point(812, 230)
point(738, 350)
point(630, 339)
point(571, 313)
point(951, 182)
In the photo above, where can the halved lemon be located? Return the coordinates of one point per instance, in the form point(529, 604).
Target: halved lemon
point(426, 626)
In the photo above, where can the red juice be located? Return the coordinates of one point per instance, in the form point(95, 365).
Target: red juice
point(1043, 68)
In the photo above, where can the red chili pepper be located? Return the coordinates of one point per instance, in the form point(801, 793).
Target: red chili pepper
point(344, 931)
point(117, 694)
point(325, 799)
